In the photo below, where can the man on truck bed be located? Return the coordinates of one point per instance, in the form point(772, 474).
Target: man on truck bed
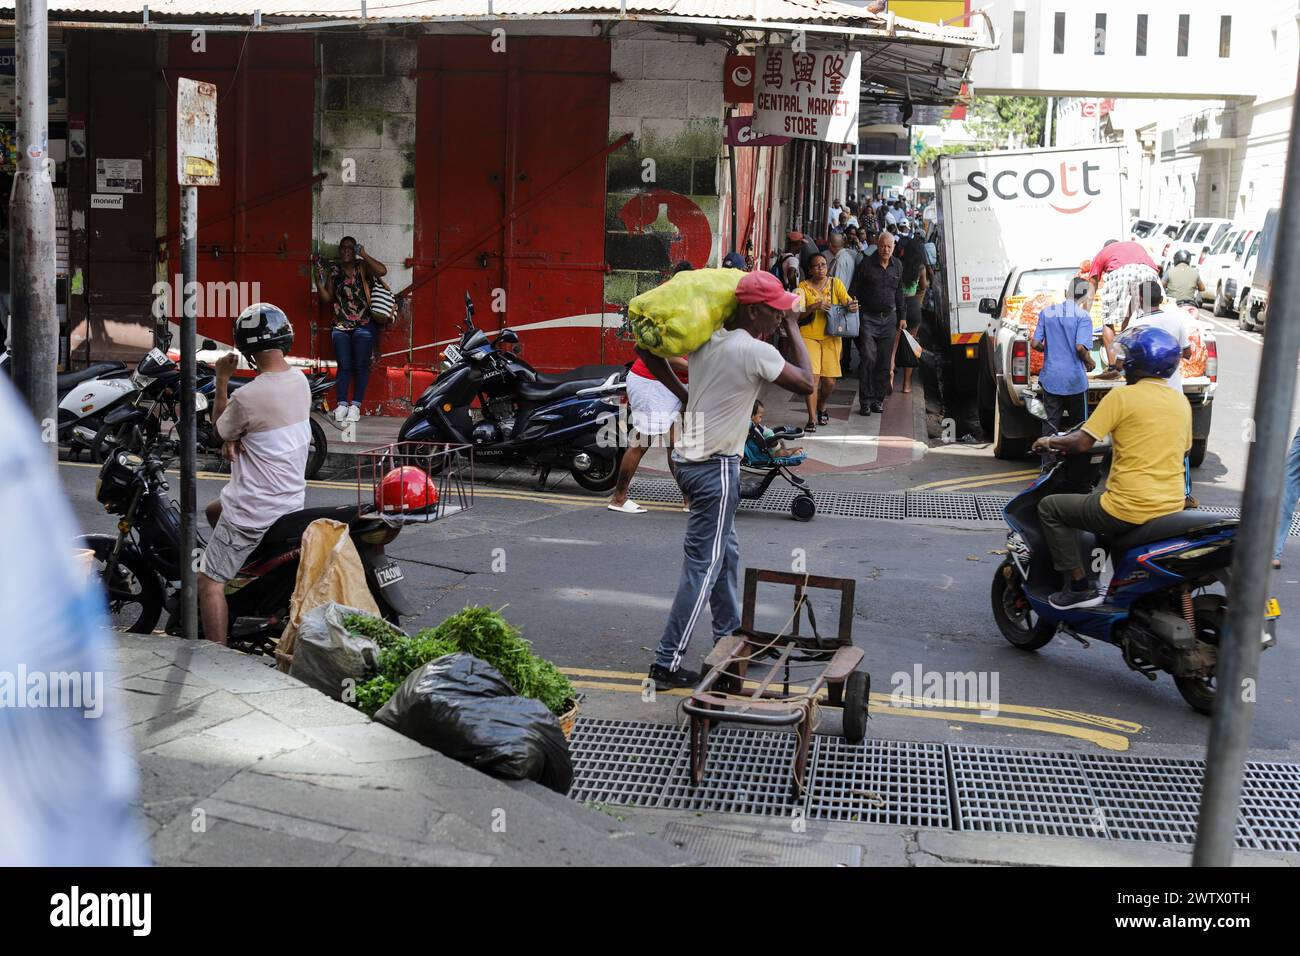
point(1118, 268)
point(1064, 336)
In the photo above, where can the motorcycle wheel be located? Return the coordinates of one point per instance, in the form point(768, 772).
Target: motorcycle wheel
point(1199, 692)
point(135, 599)
point(317, 451)
point(1016, 622)
point(601, 477)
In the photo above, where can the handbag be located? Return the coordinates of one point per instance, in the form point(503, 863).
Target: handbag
point(841, 323)
point(380, 301)
point(912, 343)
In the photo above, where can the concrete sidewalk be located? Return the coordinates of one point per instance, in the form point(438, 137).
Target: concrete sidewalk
point(241, 765)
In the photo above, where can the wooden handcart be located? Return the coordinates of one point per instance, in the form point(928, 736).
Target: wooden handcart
point(748, 674)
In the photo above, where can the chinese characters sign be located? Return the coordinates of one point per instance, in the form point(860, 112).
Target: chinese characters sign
point(808, 94)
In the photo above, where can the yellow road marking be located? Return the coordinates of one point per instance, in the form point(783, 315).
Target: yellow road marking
point(1106, 732)
point(977, 481)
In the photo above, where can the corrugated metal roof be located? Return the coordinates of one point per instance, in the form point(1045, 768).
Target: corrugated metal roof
point(776, 11)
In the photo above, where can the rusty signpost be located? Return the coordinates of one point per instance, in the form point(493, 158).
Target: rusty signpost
point(196, 165)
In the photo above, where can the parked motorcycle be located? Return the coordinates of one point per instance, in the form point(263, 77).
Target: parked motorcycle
point(522, 414)
point(88, 394)
point(140, 565)
point(1167, 600)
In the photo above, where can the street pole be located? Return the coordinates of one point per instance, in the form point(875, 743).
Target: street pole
point(1238, 666)
point(189, 440)
point(34, 323)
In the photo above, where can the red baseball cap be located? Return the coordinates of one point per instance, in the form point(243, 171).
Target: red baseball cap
point(764, 287)
point(794, 235)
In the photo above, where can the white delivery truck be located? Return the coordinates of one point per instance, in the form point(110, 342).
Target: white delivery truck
point(1016, 226)
point(1010, 209)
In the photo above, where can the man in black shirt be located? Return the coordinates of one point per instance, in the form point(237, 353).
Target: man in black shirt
point(878, 288)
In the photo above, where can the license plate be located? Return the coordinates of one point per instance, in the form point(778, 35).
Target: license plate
point(1272, 608)
point(388, 574)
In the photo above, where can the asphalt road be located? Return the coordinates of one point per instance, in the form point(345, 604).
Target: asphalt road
point(591, 590)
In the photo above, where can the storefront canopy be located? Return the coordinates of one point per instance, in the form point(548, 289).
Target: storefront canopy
point(903, 60)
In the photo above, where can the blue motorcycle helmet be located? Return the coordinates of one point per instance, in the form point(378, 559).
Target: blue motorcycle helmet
point(1149, 352)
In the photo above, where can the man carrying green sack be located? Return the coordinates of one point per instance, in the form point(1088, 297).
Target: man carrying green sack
point(728, 369)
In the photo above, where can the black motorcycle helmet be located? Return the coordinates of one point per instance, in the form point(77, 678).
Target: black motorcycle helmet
point(1182, 257)
point(263, 326)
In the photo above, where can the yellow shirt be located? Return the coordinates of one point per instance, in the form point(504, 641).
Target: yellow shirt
point(834, 294)
point(1151, 430)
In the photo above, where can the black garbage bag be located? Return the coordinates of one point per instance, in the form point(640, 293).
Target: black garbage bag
point(463, 707)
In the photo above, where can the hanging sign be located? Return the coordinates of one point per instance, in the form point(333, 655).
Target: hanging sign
point(196, 133)
point(738, 78)
point(808, 94)
point(740, 132)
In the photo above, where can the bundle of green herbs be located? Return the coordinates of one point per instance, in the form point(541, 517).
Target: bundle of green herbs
point(479, 631)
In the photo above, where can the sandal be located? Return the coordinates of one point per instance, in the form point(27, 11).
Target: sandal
point(823, 418)
point(811, 426)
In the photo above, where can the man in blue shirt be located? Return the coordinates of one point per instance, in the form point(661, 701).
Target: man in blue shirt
point(1064, 336)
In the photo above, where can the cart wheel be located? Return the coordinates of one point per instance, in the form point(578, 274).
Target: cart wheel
point(856, 688)
point(803, 508)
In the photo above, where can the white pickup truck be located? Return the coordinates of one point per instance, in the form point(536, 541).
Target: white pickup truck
point(1009, 375)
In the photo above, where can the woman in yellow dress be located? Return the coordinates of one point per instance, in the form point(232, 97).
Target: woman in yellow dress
point(820, 292)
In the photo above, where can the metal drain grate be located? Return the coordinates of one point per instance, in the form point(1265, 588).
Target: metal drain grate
point(989, 789)
point(623, 762)
point(1270, 806)
point(1022, 791)
point(746, 771)
point(961, 507)
point(864, 505)
point(879, 781)
point(1155, 800)
point(991, 507)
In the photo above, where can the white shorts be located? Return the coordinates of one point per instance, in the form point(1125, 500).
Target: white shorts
point(654, 408)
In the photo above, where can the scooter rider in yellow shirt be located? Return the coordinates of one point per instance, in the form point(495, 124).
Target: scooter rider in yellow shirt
point(1151, 430)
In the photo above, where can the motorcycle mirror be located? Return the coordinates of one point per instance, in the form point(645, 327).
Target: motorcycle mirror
point(207, 345)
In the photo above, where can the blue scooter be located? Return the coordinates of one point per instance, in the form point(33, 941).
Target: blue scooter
point(1166, 603)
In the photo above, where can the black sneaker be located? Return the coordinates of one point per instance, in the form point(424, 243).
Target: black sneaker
point(1068, 599)
point(670, 680)
point(878, 407)
point(864, 410)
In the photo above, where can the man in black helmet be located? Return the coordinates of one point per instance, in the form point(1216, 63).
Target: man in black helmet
point(264, 426)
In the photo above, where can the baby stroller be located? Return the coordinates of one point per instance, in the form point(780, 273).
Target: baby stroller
point(760, 466)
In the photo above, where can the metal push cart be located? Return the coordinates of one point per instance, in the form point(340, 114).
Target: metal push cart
point(729, 693)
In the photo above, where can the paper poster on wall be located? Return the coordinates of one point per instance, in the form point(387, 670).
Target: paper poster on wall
point(119, 175)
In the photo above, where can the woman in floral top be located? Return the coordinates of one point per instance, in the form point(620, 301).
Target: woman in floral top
point(345, 285)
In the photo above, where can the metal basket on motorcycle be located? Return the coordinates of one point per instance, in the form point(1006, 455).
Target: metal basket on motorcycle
point(416, 482)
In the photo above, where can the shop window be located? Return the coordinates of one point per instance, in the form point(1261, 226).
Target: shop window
point(1099, 36)
point(1184, 31)
point(1225, 37)
point(1142, 35)
point(1018, 31)
point(1058, 40)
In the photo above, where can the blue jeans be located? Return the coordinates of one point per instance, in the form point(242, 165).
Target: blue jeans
point(711, 569)
point(352, 349)
point(1290, 495)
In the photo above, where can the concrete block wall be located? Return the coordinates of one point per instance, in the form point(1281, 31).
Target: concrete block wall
point(667, 94)
point(367, 125)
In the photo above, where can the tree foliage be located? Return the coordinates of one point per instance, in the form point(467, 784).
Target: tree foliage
point(1007, 122)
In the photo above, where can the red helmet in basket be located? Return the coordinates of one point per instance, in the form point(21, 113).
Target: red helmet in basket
point(407, 489)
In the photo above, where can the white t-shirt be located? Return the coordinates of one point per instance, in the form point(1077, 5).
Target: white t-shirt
point(269, 417)
point(727, 373)
point(1178, 324)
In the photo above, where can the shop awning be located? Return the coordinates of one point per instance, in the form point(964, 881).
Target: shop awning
point(903, 60)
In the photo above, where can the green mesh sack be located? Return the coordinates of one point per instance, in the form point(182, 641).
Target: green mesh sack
point(676, 318)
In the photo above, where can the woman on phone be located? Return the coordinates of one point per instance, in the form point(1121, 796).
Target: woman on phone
point(346, 284)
